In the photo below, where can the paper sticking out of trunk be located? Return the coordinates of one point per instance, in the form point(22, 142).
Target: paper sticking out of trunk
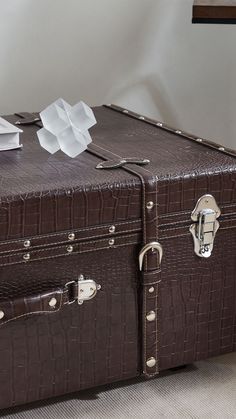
point(9, 136)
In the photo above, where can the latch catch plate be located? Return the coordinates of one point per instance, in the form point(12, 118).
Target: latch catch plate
point(87, 289)
point(205, 226)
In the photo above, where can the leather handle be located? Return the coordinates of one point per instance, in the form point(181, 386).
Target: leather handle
point(46, 302)
point(49, 301)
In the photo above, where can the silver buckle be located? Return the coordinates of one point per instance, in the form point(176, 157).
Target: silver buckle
point(150, 246)
point(206, 225)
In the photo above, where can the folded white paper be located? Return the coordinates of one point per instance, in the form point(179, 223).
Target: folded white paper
point(65, 127)
point(9, 136)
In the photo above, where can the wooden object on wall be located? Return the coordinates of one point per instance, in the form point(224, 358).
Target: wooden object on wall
point(214, 11)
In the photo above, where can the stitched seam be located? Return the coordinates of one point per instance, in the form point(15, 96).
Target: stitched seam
point(76, 241)
point(68, 255)
point(70, 231)
point(145, 331)
point(32, 252)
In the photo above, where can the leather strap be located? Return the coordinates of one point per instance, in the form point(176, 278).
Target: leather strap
point(27, 118)
point(151, 272)
point(42, 303)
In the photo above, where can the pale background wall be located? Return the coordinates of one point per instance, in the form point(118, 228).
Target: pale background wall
point(142, 54)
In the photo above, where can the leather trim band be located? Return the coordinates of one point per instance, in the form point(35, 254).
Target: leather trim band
point(165, 127)
point(150, 341)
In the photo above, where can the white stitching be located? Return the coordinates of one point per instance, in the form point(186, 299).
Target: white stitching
point(71, 254)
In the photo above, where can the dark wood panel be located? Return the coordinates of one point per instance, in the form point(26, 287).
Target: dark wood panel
point(214, 11)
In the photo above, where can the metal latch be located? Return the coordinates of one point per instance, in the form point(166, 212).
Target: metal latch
point(206, 225)
point(83, 290)
point(87, 289)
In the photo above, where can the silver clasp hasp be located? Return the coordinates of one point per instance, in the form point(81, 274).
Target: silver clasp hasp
point(205, 225)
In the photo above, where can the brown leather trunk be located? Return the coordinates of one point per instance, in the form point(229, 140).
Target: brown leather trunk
point(92, 230)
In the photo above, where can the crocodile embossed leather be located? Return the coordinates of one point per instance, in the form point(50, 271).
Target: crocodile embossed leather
point(115, 264)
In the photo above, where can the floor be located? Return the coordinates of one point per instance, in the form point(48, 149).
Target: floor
point(206, 390)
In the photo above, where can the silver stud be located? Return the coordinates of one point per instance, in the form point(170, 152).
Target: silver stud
point(71, 236)
point(150, 205)
point(151, 290)
point(26, 256)
point(141, 117)
point(80, 302)
point(69, 249)
point(178, 132)
point(200, 140)
point(111, 242)
point(68, 192)
point(159, 124)
point(53, 302)
point(112, 229)
point(125, 111)
point(151, 315)
point(2, 314)
point(99, 287)
point(27, 243)
point(151, 362)
point(221, 148)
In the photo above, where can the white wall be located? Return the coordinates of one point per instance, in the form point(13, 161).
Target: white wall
point(142, 54)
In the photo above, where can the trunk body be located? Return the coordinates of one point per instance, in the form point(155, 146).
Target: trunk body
point(63, 219)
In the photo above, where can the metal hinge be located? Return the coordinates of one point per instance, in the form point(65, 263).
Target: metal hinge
point(206, 225)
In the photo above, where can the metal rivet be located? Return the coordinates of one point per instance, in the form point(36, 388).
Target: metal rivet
point(221, 148)
point(151, 362)
point(69, 249)
point(71, 236)
point(151, 315)
point(81, 277)
point(112, 229)
point(159, 124)
point(80, 302)
point(99, 287)
point(53, 302)
point(111, 242)
point(68, 192)
point(141, 117)
point(26, 256)
point(2, 314)
point(151, 290)
point(125, 111)
point(150, 205)
point(27, 243)
point(200, 140)
point(178, 132)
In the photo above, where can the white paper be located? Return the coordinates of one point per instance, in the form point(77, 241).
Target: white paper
point(65, 127)
point(9, 136)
